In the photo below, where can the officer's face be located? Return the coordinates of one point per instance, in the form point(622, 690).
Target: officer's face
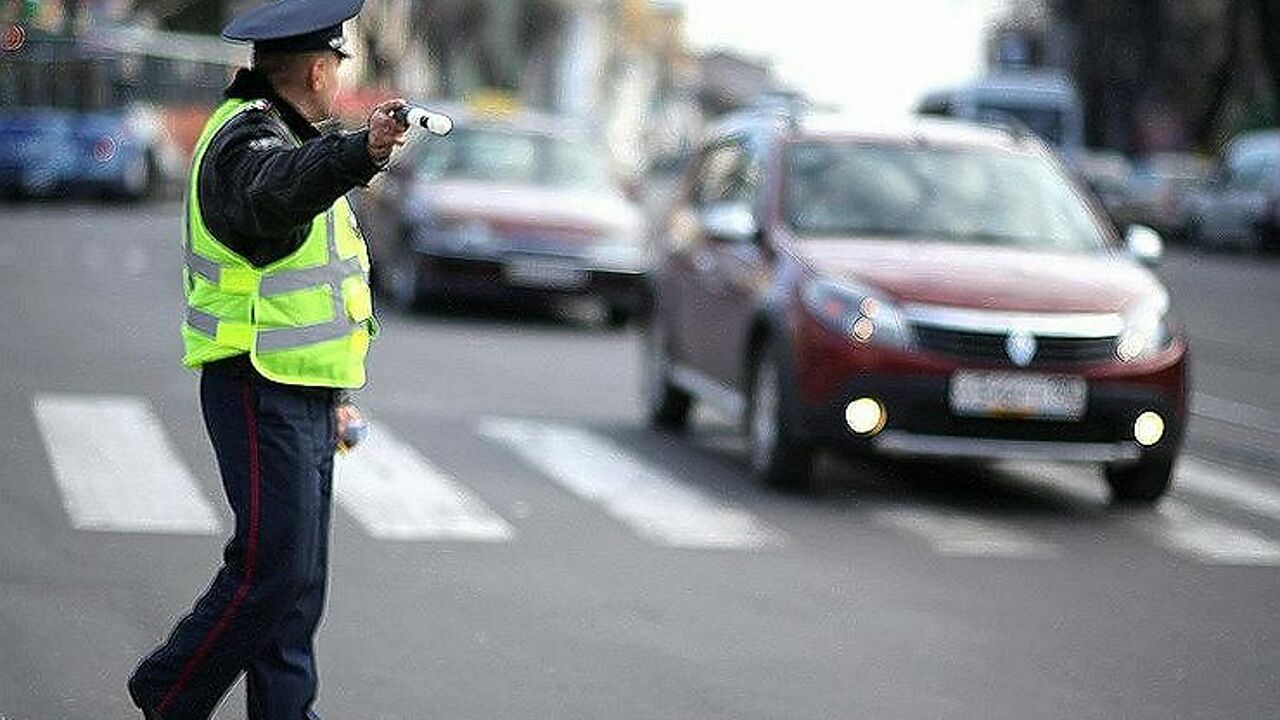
point(324, 81)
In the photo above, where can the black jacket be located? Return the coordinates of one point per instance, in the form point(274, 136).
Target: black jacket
point(259, 193)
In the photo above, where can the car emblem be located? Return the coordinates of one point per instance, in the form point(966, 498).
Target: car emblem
point(1021, 346)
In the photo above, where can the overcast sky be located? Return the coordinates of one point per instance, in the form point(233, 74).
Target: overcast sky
point(874, 58)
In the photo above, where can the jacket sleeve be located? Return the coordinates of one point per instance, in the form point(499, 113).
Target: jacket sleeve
point(269, 189)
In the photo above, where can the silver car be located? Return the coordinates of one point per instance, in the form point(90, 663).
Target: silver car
point(1239, 207)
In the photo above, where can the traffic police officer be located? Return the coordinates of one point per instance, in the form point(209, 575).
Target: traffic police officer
point(279, 319)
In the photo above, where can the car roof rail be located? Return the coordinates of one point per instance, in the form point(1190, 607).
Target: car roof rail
point(1009, 124)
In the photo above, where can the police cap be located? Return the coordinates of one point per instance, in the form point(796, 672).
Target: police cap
point(295, 25)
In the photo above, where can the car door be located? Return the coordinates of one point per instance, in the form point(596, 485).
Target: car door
point(693, 285)
point(739, 267)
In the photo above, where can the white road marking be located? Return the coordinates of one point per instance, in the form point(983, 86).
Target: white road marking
point(1081, 482)
point(951, 533)
point(1224, 484)
point(1235, 413)
point(651, 502)
point(116, 469)
point(1186, 531)
point(395, 493)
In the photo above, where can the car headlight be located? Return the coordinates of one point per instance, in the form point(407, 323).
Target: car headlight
point(858, 313)
point(1148, 329)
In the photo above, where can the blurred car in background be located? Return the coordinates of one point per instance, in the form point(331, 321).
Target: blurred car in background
point(1239, 207)
point(936, 290)
point(1160, 189)
point(510, 206)
point(1108, 176)
point(1045, 102)
point(50, 151)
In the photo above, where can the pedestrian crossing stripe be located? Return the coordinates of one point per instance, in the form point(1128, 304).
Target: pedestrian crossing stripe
point(397, 494)
point(1186, 531)
point(643, 497)
point(115, 467)
point(1227, 485)
point(952, 533)
point(116, 471)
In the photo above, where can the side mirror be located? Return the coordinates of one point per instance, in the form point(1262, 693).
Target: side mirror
point(1144, 245)
point(731, 222)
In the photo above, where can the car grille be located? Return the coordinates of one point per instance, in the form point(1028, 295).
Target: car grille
point(990, 347)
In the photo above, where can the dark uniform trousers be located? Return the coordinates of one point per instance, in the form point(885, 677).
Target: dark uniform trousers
point(274, 446)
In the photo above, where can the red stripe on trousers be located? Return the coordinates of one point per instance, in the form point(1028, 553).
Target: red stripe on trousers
point(193, 664)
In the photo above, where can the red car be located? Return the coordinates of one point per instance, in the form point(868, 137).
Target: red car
point(935, 290)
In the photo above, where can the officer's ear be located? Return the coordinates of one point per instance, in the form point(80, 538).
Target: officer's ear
point(319, 71)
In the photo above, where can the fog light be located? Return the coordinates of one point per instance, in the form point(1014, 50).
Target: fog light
point(865, 416)
point(1148, 428)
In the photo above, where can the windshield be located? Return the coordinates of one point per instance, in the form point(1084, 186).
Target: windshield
point(514, 157)
point(1044, 121)
point(965, 196)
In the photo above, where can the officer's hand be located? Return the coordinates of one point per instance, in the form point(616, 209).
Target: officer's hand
point(385, 132)
point(349, 426)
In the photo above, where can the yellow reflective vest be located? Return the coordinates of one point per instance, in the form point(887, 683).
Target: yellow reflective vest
point(303, 320)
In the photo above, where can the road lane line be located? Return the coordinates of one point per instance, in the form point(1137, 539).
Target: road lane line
point(397, 494)
point(1186, 531)
point(1235, 413)
point(115, 467)
point(643, 497)
point(1081, 483)
point(1235, 487)
point(955, 534)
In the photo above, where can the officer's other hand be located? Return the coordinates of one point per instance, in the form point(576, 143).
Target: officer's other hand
point(349, 426)
point(385, 132)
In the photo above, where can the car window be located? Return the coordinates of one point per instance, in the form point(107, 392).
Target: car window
point(725, 173)
point(501, 155)
point(931, 193)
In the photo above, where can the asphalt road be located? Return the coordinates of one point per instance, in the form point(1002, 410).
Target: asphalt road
point(518, 545)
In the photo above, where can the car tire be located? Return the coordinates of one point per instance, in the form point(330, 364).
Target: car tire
point(617, 317)
point(667, 406)
point(1196, 237)
point(1140, 483)
point(778, 458)
point(1269, 238)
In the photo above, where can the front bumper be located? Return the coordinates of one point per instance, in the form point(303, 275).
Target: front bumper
point(901, 443)
point(476, 278)
point(919, 422)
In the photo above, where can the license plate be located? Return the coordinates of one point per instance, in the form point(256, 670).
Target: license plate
point(1018, 395)
point(545, 274)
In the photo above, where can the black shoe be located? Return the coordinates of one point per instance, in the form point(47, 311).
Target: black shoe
point(147, 713)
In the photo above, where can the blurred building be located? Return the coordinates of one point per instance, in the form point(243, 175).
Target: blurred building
point(620, 64)
point(729, 80)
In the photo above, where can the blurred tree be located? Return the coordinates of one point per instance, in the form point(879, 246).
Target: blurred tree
point(1233, 33)
point(195, 16)
point(1164, 74)
point(1268, 17)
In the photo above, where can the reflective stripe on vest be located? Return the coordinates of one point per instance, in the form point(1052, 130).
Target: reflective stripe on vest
point(279, 282)
point(284, 281)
